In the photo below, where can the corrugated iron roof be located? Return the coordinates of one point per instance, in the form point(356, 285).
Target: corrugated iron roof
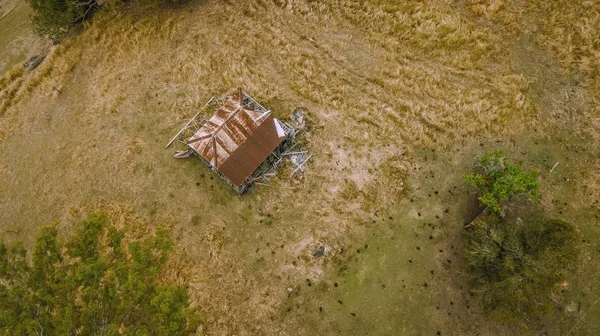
point(238, 138)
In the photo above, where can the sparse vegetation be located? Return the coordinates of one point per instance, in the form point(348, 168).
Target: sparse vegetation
point(93, 284)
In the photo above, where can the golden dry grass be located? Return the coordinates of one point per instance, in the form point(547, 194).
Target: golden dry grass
point(383, 83)
point(570, 30)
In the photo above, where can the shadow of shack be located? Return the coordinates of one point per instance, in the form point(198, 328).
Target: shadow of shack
point(241, 141)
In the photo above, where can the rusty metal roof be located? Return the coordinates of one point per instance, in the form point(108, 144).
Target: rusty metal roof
point(238, 138)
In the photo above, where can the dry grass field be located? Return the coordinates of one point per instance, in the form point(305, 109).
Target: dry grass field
point(400, 96)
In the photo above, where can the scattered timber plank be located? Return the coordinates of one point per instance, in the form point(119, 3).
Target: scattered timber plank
point(294, 153)
point(300, 165)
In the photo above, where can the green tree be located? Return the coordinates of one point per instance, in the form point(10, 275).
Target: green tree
point(94, 284)
point(516, 267)
point(54, 17)
point(498, 181)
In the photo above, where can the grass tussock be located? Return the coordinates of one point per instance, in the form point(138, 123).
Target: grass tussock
point(487, 8)
point(9, 85)
point(13, 74)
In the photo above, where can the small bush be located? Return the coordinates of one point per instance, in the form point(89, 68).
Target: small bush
point(498, 181)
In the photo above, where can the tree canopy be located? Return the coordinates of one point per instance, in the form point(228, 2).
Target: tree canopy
point(498, 181)
point(93, 284)
point(517, 266)
point(54, 17)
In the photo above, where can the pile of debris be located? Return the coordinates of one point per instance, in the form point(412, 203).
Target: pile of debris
point(298, 160)
point(297, 157)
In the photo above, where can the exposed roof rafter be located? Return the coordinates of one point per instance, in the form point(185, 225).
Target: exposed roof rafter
point(200, 138)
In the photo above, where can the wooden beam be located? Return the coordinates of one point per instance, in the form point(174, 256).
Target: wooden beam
point(189, 122)
point(300, 165)
point(261, 116)
point(233, 114)
point(199, 139)
point(294, 153)
point(215, 150)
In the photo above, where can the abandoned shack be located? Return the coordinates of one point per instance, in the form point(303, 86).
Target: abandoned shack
point(241, 141)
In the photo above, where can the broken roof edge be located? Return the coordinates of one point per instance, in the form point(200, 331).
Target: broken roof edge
point(228, 166)
point(251, 100)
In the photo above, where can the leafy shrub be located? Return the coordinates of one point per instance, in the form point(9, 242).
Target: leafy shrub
point(498, 181)
point(54, 17)
point(517, 266)
point(93, 284)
